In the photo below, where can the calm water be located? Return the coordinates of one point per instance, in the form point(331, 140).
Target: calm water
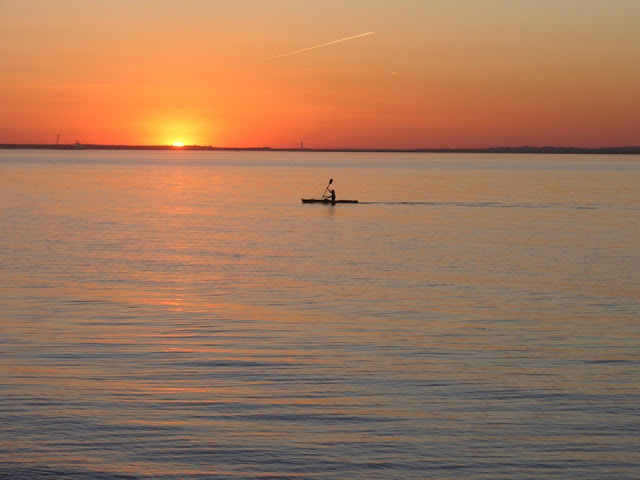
point(181, 315)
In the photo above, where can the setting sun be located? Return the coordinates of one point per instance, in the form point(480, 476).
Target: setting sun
point(177, 144)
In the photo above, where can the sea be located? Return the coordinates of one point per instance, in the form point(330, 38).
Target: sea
point(181, 315)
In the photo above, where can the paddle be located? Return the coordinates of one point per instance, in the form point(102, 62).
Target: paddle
point(325, 190)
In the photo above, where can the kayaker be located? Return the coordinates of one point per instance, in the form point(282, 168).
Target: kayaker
point(333, 196)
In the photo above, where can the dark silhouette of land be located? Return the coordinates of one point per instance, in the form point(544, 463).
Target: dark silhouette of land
point(628, 150)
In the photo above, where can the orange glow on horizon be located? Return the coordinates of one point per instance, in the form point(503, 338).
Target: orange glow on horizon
point(178, 128)
point(492, 76)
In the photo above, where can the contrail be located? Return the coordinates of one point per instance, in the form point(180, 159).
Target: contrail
point(318, 46)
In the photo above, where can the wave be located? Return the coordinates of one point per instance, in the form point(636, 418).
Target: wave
point(592, 206)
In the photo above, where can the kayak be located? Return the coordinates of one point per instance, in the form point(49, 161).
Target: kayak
point(326, 201)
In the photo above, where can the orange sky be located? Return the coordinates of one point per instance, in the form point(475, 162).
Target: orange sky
point(436, 73)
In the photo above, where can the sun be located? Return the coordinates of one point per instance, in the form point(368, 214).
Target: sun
point(177, 144)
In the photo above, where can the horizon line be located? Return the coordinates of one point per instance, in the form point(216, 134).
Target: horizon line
point(622, 149)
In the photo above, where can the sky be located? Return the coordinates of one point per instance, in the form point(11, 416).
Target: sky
point(433, 74)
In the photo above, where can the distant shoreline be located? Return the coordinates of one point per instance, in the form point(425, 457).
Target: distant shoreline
point(629, 150)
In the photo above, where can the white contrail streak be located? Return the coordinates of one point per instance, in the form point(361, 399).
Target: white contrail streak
point(318, 46)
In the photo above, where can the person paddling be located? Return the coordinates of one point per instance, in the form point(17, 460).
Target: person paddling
point(328, 198)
